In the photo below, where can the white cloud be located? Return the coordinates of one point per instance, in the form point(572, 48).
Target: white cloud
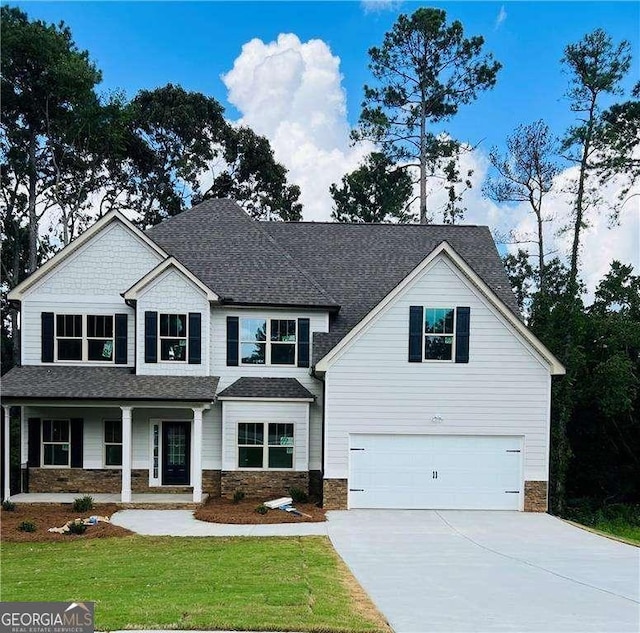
point(501, 17)
point(377, 6)
point(291, 92)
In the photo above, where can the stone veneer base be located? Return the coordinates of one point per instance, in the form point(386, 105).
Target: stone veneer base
point(535, 496)
point(262, 484)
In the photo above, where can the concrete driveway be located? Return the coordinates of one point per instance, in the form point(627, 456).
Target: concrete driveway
point(446, 571)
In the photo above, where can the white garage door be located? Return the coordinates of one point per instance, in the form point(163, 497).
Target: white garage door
point(435, 472)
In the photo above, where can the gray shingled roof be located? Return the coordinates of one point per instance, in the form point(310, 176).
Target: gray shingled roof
point(251, 387)
point(235, 257)
point(103, 383)
point(350, 266)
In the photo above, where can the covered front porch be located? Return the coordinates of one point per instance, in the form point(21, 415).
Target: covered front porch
point(107, 433)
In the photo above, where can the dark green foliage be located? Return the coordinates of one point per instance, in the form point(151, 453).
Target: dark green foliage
point(27, 526)
point(8, 506)
point(262, 509)
point(425, 70)
point(77, 527)
point(375, 192)
point(83, 504)
point(298, 495)
point(238, 496)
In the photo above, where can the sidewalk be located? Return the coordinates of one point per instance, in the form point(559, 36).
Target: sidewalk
point(182, 523)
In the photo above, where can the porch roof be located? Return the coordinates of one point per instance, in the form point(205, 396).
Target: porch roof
point(246, 388)
point(35, 382)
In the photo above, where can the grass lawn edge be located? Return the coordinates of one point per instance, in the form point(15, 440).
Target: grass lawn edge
point(609, 535)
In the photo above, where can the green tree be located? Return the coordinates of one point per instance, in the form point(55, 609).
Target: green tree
point(596, 67)
point(425, 70)
point(46, 79)
point(526, 174)
point(375, 192)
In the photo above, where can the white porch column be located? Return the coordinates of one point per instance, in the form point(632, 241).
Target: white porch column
point(126, 454)
point(197, 455)
point(6, 447)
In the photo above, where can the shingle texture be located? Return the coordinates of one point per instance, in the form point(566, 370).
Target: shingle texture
point(251, 387)
point(103, 383)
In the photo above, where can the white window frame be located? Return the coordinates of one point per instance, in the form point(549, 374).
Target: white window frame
point(268, 342)
point(68, 443)
point(173, 338)
point(265, 446)
point(105, 443)
point(425, 334)
point(84, 338)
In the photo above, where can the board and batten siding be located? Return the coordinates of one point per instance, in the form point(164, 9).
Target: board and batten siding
point(318, 322)
point(89, 281)
point(173, 293)
point(503, 390)
point(235, 412)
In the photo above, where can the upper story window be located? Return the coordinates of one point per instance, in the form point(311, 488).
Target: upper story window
point(278, 348)
point(173, 337)
point(439, 333)
point(84, 337)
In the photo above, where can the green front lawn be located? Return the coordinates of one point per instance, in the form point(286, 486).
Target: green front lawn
point(194, 583)
point(622, 520)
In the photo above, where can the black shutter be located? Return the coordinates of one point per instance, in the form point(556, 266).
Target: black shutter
point(233, 327)
point(415, 334)
point(77, 441)
point(121, 339)
point(303, 342)
point(195, 340)
point(47, 337)
point(150, 337)
point(35, 439)
point(463, 320)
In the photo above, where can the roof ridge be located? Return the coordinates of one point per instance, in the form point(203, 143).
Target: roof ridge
point(394, 224)
point(288, 255)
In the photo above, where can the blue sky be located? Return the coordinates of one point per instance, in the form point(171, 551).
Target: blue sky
point(148, 44)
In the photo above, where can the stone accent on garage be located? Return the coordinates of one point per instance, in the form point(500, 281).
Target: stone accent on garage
point(262, 484)
point(334, 494)
point(535, 496)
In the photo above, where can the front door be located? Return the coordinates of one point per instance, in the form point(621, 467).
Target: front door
point(176, 451)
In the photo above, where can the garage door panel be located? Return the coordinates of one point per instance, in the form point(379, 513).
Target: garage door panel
point(435, 471)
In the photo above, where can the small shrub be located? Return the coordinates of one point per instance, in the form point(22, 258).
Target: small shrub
point(298, 495)
point(238, 496)
point(27, 526)
point(83, 504)
point(9, 506)
point(262, 509)
point(77, 527)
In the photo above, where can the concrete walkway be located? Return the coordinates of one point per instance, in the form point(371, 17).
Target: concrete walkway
point(462, 571)
point(182, 523)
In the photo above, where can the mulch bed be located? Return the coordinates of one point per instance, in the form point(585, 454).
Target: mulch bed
point(48, 515)
point(225, 511)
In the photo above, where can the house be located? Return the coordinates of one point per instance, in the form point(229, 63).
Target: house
point(381, 366)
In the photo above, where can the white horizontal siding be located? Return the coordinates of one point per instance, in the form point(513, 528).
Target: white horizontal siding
point(318, 322)
point(173, 293)
point(290, 412)
point(503, 390)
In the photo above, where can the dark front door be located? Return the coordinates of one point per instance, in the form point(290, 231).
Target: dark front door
point(176, 451)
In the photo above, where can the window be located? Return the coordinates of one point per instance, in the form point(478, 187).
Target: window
point(439, 333)
point(113, 442)
point(73, 344)
point(55, 443)
point(173, 337)
point(280, 348)
point(255, 452)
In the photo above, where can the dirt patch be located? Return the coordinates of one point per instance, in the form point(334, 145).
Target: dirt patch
point(48, 515)
point(220, 510)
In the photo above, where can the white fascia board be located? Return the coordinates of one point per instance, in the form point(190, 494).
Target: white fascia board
point(555, 367)
point(250, 399)
point(154, 273)
point(17, 293)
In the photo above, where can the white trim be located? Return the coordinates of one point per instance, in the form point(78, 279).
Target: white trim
point(6, 441)
point(18, 292)
point(250, 399)
point(554, 365)
point(171, 262)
